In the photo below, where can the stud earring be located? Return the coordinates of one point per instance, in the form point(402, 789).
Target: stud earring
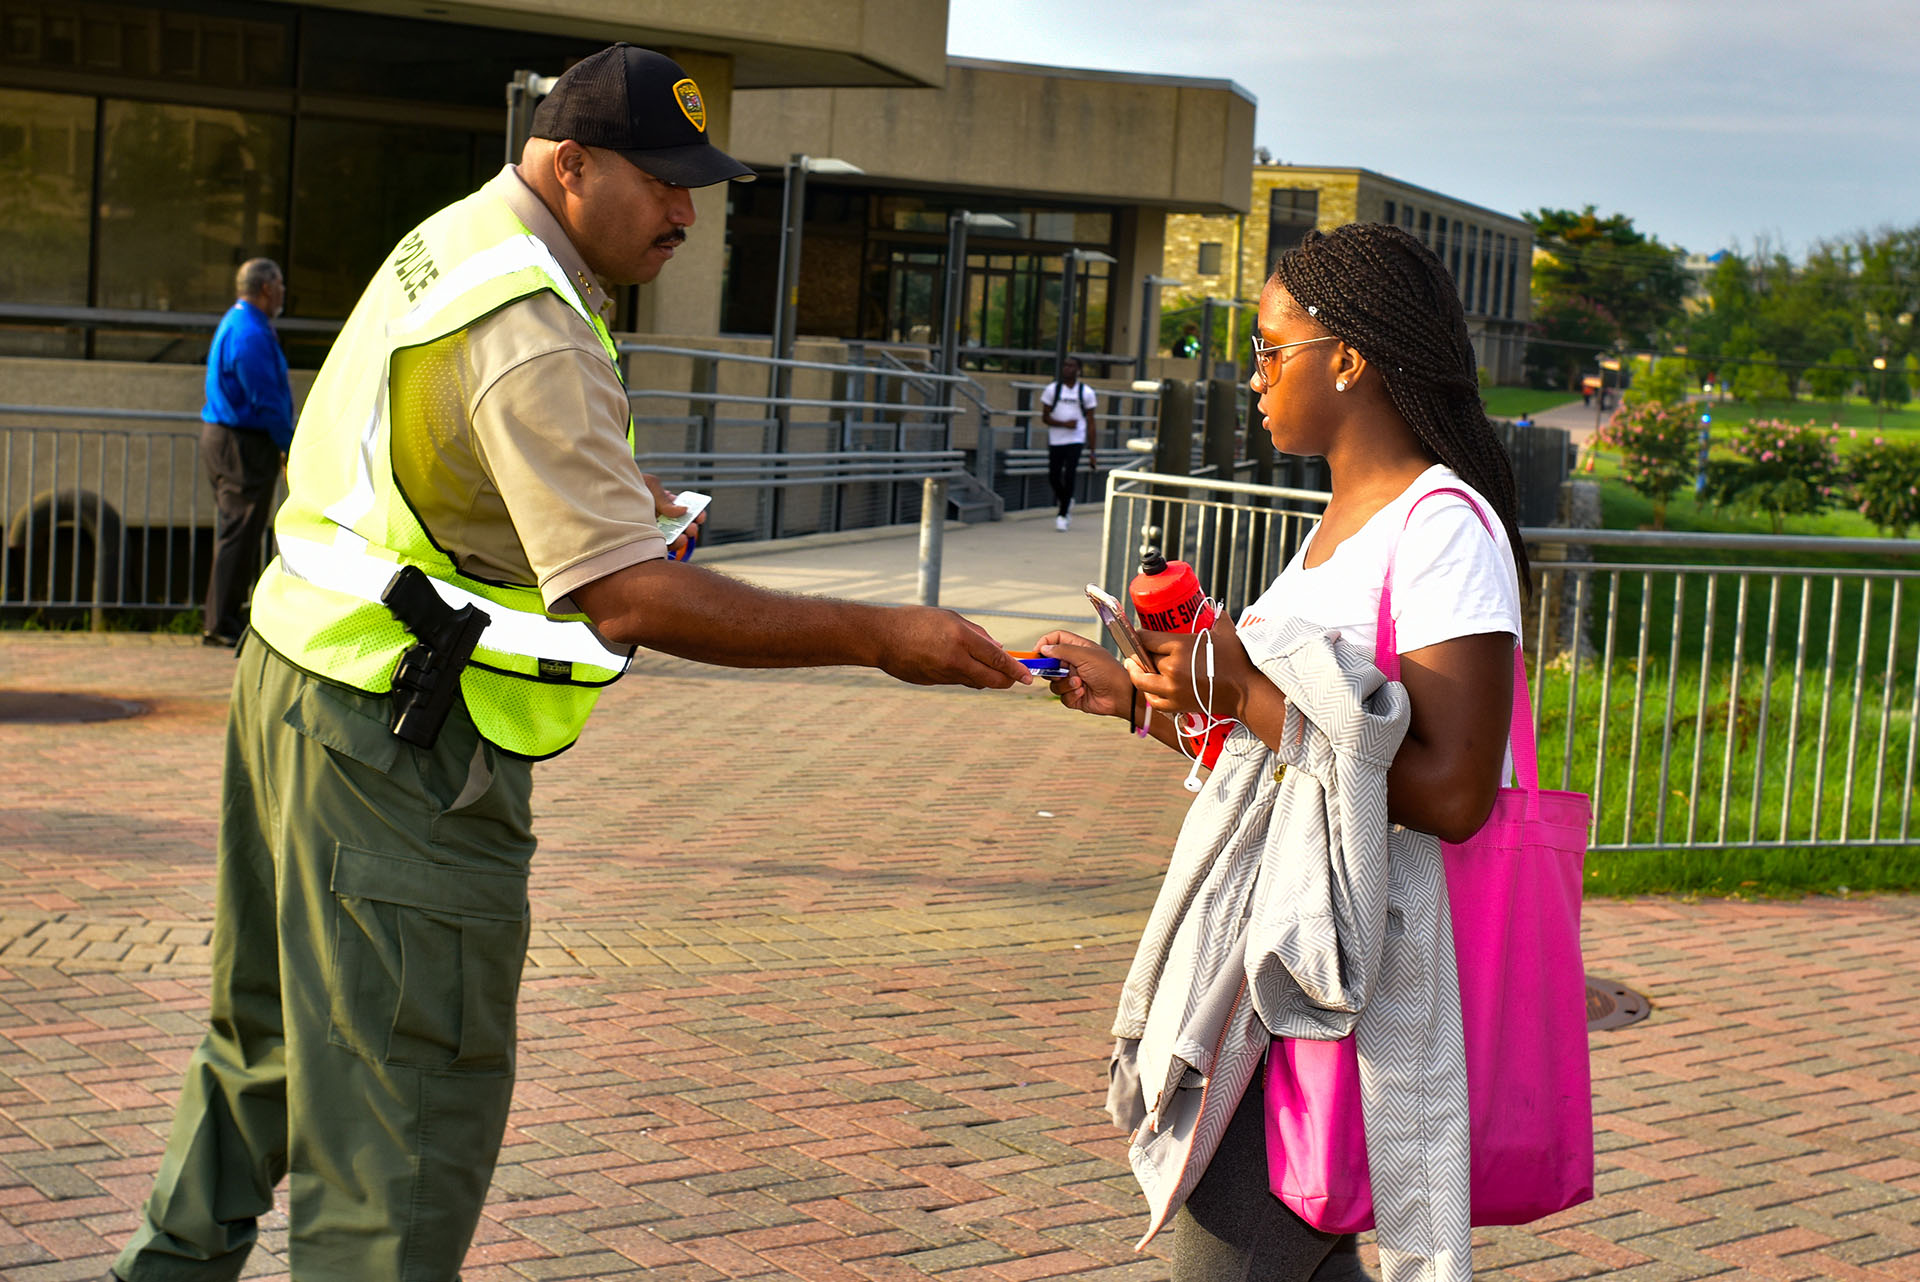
point(1340, 386)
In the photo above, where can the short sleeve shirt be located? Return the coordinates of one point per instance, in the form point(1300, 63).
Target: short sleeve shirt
point(1452, 576)
point(530, 478)
point(1072, 404)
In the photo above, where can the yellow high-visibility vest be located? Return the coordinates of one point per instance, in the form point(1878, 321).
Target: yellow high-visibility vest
point(346, 528)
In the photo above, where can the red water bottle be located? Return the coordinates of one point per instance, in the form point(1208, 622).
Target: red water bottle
point(1168, 598)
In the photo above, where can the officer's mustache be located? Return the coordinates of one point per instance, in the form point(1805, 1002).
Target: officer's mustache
point(672, 239)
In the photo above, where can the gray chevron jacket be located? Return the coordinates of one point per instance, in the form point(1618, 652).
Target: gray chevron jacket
point(1293, 907)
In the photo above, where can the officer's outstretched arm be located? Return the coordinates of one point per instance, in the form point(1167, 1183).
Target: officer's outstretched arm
point(692, 612)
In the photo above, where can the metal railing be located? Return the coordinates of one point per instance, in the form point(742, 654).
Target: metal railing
point(844, 447)
point(1735, 692)
point(105, 517)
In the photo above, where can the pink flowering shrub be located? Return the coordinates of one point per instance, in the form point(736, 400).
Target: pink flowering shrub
point(1656, 441)
point(1781, 469)
point(1886, 485)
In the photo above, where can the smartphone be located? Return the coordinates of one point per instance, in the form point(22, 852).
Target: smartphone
point(672, 526)
point(1114, 615)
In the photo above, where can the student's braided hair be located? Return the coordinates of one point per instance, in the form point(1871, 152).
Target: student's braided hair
point(1378, 289)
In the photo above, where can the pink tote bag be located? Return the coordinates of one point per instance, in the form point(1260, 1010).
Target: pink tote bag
point(1513, 891)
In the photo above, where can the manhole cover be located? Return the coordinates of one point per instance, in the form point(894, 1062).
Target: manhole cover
point(1611, 1004)
point(54, 706)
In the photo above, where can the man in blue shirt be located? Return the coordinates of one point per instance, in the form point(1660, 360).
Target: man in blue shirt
point(248, 425)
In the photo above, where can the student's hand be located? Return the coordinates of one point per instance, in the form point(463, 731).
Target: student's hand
point(1097, 685)
point(925, 646)
point(663, 505)
point(1184, 664)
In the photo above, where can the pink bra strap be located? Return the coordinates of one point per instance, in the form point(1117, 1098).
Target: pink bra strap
point(1386, 655)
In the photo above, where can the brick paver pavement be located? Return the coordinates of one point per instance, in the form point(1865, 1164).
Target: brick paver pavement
point(819, 985)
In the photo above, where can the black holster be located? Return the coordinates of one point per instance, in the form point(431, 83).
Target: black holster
point(428, 679)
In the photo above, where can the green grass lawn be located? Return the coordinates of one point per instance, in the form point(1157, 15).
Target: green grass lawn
point(1853, 414)
point(1752, 734)
point(1512, 402)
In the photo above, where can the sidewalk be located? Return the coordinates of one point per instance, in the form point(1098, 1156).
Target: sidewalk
point(1018, 578)
point(823, 994)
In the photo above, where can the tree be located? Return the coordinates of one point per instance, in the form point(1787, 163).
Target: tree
point(1625, 274)
point(1886, 486)
point(1667, 381)
point(1779, 469)
point(1837, 379)
point(1566, 334)
point(1759, 378)
point(1656, 441)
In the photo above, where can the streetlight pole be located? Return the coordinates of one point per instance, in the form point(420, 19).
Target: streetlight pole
point(1149, 320)
point(786, 302)
point(1069, 288)
point(953, 309)
point(1880, 400)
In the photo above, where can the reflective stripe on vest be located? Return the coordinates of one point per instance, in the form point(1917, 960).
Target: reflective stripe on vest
point(342, 568)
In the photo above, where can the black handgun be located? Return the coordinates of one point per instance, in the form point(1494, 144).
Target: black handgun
point(428, 679)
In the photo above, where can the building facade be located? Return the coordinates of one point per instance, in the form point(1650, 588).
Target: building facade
point(1490, 254)
point(147, 147)
point(1067, 158)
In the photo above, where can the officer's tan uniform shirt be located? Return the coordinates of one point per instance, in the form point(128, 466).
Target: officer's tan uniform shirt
point(525, 475)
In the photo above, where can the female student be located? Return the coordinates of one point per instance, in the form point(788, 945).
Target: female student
point(1362, 357)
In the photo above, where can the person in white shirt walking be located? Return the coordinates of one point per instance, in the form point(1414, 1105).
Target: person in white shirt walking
point(1067, 407)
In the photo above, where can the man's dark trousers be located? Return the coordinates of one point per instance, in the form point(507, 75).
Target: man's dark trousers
point(369, 929)
point(243, 465)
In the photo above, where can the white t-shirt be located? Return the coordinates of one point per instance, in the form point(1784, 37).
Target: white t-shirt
point(1450, 577)
point(1073, 407)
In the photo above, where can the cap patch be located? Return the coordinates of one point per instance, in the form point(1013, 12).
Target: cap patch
point(687, 94)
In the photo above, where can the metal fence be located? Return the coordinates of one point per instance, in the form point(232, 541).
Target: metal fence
point(790, 446)
point(104, 517)
point(1708, 691)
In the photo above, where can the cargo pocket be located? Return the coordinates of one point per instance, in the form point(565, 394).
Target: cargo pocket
point(426, 962)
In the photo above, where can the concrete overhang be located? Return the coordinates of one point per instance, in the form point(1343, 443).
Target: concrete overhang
point(1025, 131)
point(890, 43)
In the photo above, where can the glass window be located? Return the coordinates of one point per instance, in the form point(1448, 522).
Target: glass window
point(207, 43)
point(1513, 271)
point(1499, 257)
point(187, 194)
point(1466, 281)
point(1486, 264)
point(46, 190)
point(1292, 212)
point(368, 56)
point(1387, 215)
point(1209, 264)
point(374, 183)
point(1426, 227)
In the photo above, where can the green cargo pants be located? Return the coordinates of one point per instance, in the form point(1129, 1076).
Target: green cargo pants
point(369, 930)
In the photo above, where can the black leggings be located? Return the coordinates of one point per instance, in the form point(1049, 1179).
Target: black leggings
point(1063, 464)
point(1233, 1229)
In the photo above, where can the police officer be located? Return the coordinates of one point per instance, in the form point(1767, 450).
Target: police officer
point(371, 912)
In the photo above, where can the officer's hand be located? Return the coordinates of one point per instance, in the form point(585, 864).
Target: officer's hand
point(927, 647)
point(663, 505)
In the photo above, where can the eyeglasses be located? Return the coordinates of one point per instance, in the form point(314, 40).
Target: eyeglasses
point(1265, 354)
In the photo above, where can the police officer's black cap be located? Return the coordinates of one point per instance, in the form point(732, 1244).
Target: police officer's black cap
point(642, 105)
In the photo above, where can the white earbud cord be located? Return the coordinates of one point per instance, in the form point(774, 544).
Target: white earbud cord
point(1193, 729)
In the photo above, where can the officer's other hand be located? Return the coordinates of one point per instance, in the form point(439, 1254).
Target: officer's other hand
point(926, 646)
point(664, 505)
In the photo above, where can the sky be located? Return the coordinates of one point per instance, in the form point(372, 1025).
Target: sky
point(1713, 125)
